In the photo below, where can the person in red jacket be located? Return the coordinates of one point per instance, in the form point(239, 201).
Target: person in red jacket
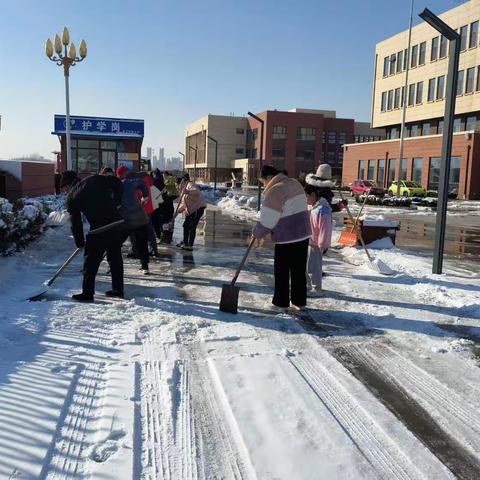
point(148, 207)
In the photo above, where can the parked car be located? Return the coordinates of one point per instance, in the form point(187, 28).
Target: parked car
point(407, 189)
point(359, 187)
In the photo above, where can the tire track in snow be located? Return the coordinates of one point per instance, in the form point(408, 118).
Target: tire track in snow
point(67, 453)
point(377, 448)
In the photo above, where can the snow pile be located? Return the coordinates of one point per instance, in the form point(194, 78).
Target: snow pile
point(241, 205)
point(25, 219)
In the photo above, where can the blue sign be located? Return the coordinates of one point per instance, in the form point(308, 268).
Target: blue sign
point(112, 127)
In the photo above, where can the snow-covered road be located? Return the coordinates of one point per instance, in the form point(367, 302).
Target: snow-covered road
point(379, 380)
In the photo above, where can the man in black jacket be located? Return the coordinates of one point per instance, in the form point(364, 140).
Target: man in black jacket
point(98, 198)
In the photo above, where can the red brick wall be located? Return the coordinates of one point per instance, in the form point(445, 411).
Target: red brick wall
point(465, 146)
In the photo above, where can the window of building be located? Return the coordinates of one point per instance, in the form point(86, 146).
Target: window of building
point(324, 133)
point(396, 101)
point(471, 123)
point(279, 132)
point(431, 90)
point(440, 127)
point(391, 170)
point(394, 132)
point(470, 80)
point(332, 138)
point(381, 172)
point(434, 49)
point(88, 144)
point(414, 58)
point(458, 124)
point(440, 87)
point(240, 131)
point(342, 138)
point(411, 95)
point(239, 150)
point(454, 180)
point(403, 169)
point(88, 160)
point(473, 35)
point(460, 81)
point(371, 170)
point(417, 167)
point(434, 173)
point(254, 153)
point(108, 145)
point(393, 63)
point(399, 61)
point(443, 47)
point(477, 86)
point(463, 37)
point(305, 133)
point(415, 130)
point(419, 96)
point(422, 53)
point(361, 169)
point(426, 128)
point(405, 59)
point(386, 66)
point(389, 99)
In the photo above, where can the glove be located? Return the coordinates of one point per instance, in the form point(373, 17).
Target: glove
point(79, 242)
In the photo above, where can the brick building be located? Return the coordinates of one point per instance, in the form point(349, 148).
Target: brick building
point(428, 65)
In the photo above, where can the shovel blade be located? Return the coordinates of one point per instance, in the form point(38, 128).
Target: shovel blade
point(229, 299)
point(37, 297)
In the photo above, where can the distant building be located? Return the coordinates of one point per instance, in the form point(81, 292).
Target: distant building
point(425, 99)
point(161, 158)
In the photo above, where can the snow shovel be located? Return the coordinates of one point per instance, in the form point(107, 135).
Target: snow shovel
point(172, 222)
point(350, 239)
point(229, 299)
point(38, 296)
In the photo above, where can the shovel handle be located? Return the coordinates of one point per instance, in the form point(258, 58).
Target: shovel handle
point(244, 259)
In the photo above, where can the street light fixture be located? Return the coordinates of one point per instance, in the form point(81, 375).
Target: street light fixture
point(195, 163)
point(450, 97)
point(183, 161)
point(216, 163)
point(66, 56)
point(262, 123)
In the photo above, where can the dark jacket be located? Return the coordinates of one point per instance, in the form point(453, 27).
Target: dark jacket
point(98, 198)
point(132, 210)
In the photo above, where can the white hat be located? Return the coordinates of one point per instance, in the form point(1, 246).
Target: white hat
point(316, 181)
point(324, 171)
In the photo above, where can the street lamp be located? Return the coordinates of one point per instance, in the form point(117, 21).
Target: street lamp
point(195, 163)
point(66, 56)
point(183, 161)
point(262, 123)
point(216, 160)
point(450, 97)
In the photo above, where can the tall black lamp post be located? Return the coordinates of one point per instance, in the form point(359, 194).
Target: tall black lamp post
point(216, 164)
point(194, 162)
point(260, 163)
point(183, 161)
point(450, 96)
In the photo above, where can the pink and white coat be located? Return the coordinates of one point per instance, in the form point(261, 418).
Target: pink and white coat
point(321, 221)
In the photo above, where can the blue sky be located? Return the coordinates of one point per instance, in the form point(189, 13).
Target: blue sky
point(172, 61)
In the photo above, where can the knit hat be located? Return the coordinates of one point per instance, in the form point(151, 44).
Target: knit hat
point(68, 178)
point(268, 171)
point(324, 171)
point(122, 171)
point(322, 178)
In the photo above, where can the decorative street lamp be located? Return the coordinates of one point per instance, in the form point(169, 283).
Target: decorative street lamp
point(216, 162)
point(66, 56)
point(183, 161)
point(194, 163)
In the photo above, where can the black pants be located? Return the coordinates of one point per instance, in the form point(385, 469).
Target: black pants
point(139, 238)
point(290, 268)
point(157, 221)
point(95, 247)
point(190, 227)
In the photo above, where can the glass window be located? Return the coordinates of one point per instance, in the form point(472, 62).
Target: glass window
point(470, 81)
point(240, 131)
point(403, 169)
point(434, 50)
point(371, 170)
point(239, 150)
point(440, 127)
point(108, 145)
point(414, 59)
point(440, 87)
point(434, 173)
point(460, 80)
point(417, 166)
point(443, 47)
point(279, 132)
point(305, 133)
point(473, 35)
point(389, 100)
point(422, 53)
point(463, 37)
point(458, 124)
point(108, 159)
point(471, 123)
point(405, 59)
point(381, 172)
point(426, 128)
point(386, 66)
point(361, 169)
point(402, 97)
point(342, 138)
point(391, 170)
point(454, 180)
point(477, 86)
point(88, 143)
point(411, 95)
point(419, 96)
point(332, 138)
point(394, 133)
point(399, 61)
point(73, 142)
point(415, 130)
point(88, 160)
point(393, 63)
point(431, 90)
point(396, 101)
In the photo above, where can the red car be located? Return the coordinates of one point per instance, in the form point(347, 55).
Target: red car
point(359, 187)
